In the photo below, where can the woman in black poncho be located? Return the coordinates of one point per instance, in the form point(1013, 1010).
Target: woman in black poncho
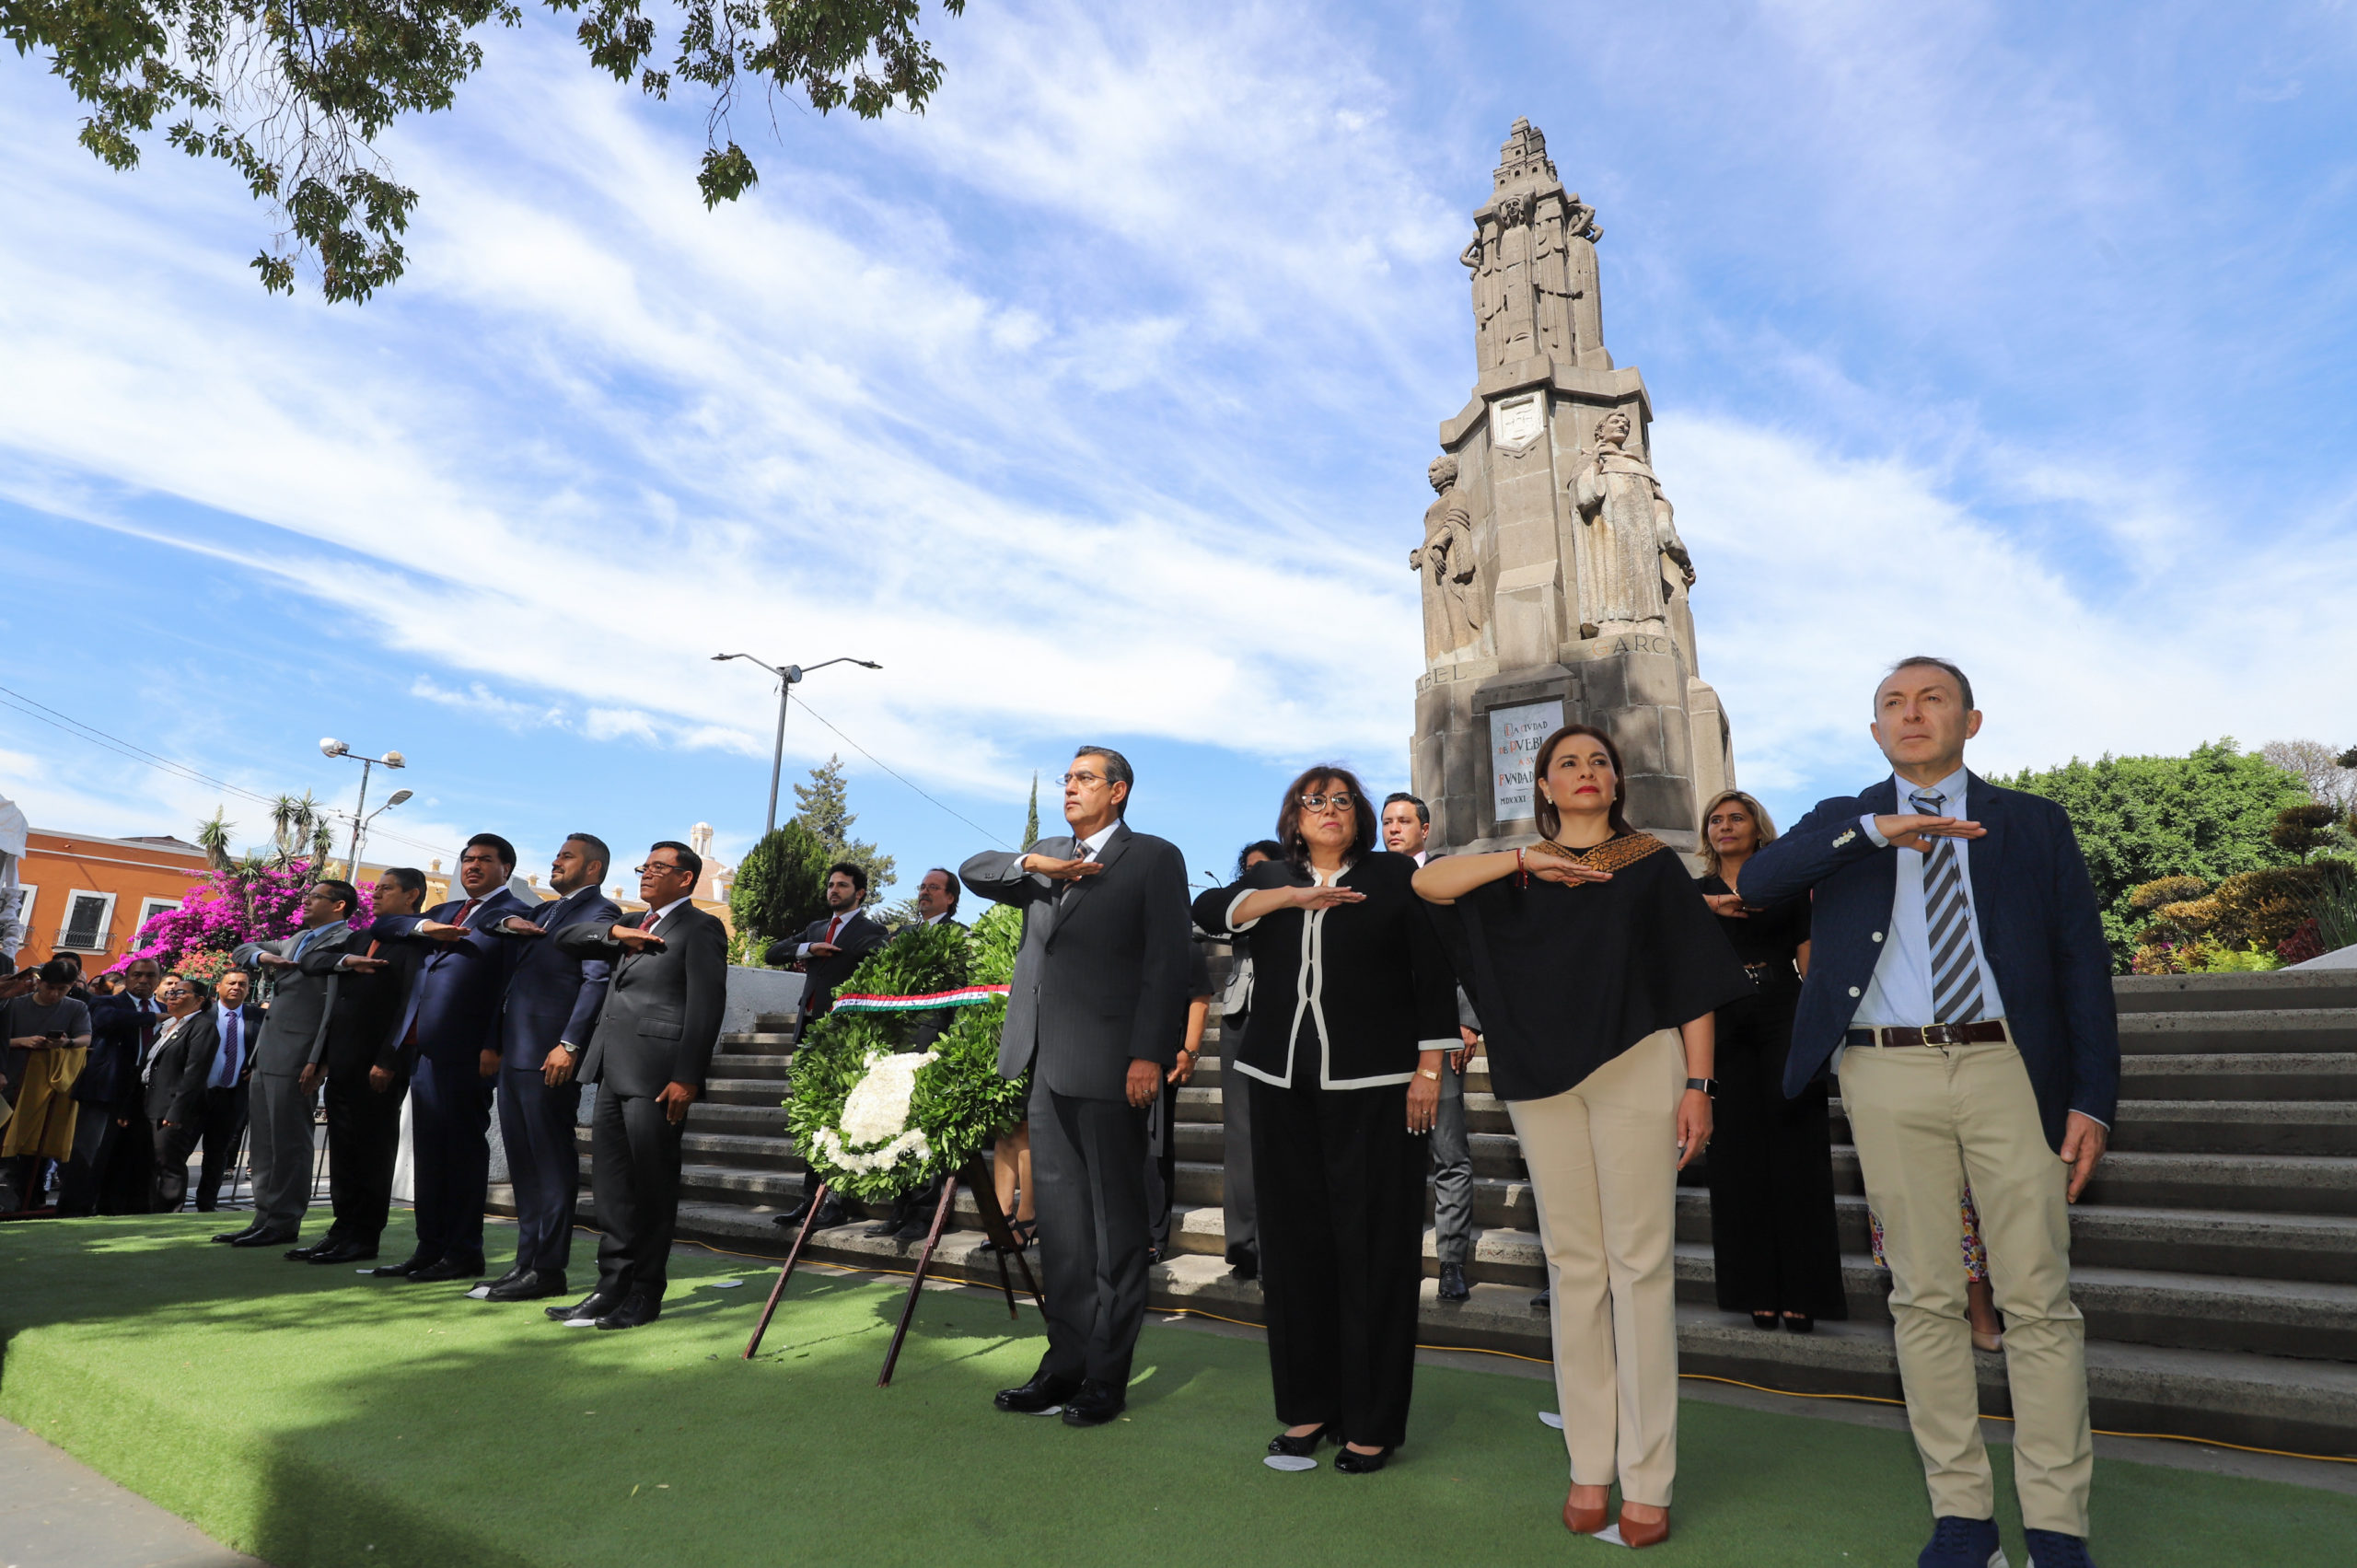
point(1596, 967)
point(1353, 1004)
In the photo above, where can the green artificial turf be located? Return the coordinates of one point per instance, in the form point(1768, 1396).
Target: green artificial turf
point(315, 1418)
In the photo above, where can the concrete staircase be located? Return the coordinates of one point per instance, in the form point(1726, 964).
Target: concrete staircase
point(2215, 1254)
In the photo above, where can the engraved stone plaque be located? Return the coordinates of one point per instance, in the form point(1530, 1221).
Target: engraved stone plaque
point(1515, 735)
point(1521, 421)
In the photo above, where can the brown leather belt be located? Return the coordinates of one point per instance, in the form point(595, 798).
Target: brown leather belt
point(1936, 1034)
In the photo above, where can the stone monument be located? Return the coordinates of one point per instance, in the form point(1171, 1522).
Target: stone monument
point(1554, 581)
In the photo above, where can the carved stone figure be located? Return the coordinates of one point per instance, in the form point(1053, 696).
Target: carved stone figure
point(1630, 529)
point(1447, 563)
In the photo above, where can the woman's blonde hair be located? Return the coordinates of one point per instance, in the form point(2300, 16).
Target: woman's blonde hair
point(1764, 824)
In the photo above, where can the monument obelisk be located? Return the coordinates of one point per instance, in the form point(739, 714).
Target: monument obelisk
point(1554, 582)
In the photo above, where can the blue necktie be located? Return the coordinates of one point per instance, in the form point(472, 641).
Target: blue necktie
point(1956, 961)
point(232, 1045)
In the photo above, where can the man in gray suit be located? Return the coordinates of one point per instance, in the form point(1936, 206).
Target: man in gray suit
point(1095, 1013)
point(648, 1056)
point(279, 1107)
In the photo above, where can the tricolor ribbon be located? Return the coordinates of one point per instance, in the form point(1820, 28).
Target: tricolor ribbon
point(964, 996)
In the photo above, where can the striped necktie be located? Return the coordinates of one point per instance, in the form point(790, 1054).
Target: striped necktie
point(1955, 959)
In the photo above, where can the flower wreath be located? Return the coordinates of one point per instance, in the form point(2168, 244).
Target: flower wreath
point(875, 1118)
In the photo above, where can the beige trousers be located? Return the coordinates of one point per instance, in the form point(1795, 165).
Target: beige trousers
point(1603, 1162)
point(1927, 1119)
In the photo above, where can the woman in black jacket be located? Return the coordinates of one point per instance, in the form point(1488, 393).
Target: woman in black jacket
point(1353, 1003)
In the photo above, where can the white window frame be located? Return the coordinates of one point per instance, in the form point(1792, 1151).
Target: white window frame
point(106, 921)
point(150, 908)
point(25, 908)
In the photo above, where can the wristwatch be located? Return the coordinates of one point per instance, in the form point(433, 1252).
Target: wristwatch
point(570, 1048)
point(1708, 1085)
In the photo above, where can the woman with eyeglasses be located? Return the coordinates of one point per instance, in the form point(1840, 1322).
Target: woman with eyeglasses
point(1353, 1003)
point(1774, 1253)
point(1598, 968)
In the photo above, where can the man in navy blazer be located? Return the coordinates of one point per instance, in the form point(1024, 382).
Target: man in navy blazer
point(551, 1013)
point(455, 1025)
point(1960, 986)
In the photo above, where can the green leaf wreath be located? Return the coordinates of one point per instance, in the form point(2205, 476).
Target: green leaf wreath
point(959, 1102)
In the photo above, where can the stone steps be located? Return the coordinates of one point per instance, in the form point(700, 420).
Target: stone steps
point(2215, 1254)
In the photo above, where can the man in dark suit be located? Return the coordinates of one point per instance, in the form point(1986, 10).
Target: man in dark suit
point(461, 983)
point(1096, 1015)
point(832, 946)
point(1960, 986)
point(198, 1083)
point(187, 1005)
point(648, 1057)
point(552, 1003)
point(282, 1142)
point(365, 1066)
point(112, 1168)
point(910, 1218)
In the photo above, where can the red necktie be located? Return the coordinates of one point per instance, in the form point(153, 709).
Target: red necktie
point(467, 910)
point(651, 918)
point(833, 926)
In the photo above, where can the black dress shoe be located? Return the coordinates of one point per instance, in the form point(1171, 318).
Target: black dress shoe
point(1452, 1283)
point(344, 1252)
point(1097, 1403)
point(262, 1238)
point(403, 1269)
point(533, 1285)
point(234, 1237)
point(1350, 1461)
point(509, 1278)
point(1244, 1262)
point(918, 1226)
point(447, 1269)
point(1042, 1396)
point(304, 1254)
point(636, 1310)
point(1544, 1301)
point(1302, 1448)
point(591, 1307)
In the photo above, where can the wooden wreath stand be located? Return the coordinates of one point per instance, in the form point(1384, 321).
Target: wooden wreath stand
point(976, 1178)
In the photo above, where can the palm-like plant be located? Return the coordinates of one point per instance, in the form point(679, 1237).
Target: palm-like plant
point(285, 813)
point(212, 838)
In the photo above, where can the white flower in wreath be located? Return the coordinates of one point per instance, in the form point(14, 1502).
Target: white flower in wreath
point(876, 1112)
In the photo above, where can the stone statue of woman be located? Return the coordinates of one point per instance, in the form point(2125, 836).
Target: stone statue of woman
point(1446, 562)
point(1631, 528)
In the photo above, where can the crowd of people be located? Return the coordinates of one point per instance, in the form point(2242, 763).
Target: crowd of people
point(1930, 944)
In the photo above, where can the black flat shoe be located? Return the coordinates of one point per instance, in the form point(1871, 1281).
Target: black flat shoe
point(1350, 1461)
point(590, 1308)
point(446, 1269)
point(1763, 1319)
point(531, 1284)
point(634, 1311)
point(1043, 1395)
point(232, 1237)
point(343, 1252)
point(403, 1269)
point(262, 1238)
point(1799, 1323)
point(1097, 1403)
point(1302, 1448)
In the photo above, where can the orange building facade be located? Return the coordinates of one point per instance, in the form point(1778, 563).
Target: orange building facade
point(89, 895)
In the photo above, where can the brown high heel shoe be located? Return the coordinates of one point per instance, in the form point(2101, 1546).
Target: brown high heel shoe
point(1587, 1521)
point(1635, 1534)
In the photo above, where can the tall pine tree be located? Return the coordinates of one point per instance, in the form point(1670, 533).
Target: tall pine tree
point(824, 810)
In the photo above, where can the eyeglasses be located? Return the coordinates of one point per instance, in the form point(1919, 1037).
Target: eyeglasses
point(1341, 801)
point(654, 865)
point(1082, 779)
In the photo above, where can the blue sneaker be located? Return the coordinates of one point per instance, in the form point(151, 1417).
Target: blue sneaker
point(1963, 1543)
point(2050, 1548)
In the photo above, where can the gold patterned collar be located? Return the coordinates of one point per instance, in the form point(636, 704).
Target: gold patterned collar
point(1609, 855)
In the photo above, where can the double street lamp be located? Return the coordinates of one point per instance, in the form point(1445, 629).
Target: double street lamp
point(361, 815)
point(786, 677)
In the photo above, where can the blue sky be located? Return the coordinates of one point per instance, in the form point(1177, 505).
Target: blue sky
point(1096, 403)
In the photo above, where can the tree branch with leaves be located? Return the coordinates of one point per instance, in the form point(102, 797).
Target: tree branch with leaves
point(293, 94)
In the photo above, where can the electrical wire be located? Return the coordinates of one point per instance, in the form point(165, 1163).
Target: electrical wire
point(903, 777)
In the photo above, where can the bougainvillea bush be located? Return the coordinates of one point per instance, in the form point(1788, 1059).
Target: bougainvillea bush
point(226, 908)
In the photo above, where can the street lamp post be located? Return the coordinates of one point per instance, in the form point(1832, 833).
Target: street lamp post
point(333, 748)
point(786, 677)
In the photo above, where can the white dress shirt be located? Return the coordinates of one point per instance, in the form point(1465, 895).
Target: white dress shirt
point(1900, 992)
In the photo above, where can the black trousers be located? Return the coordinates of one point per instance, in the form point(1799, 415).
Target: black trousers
point(364, 1140)
point(536, 1124)
point(112, 1170)
point(220, 1116)
point(451, 1132)
point(634, 1180)
point(1341, 1200)
point(1770, 1167)
point(1089, 1162)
